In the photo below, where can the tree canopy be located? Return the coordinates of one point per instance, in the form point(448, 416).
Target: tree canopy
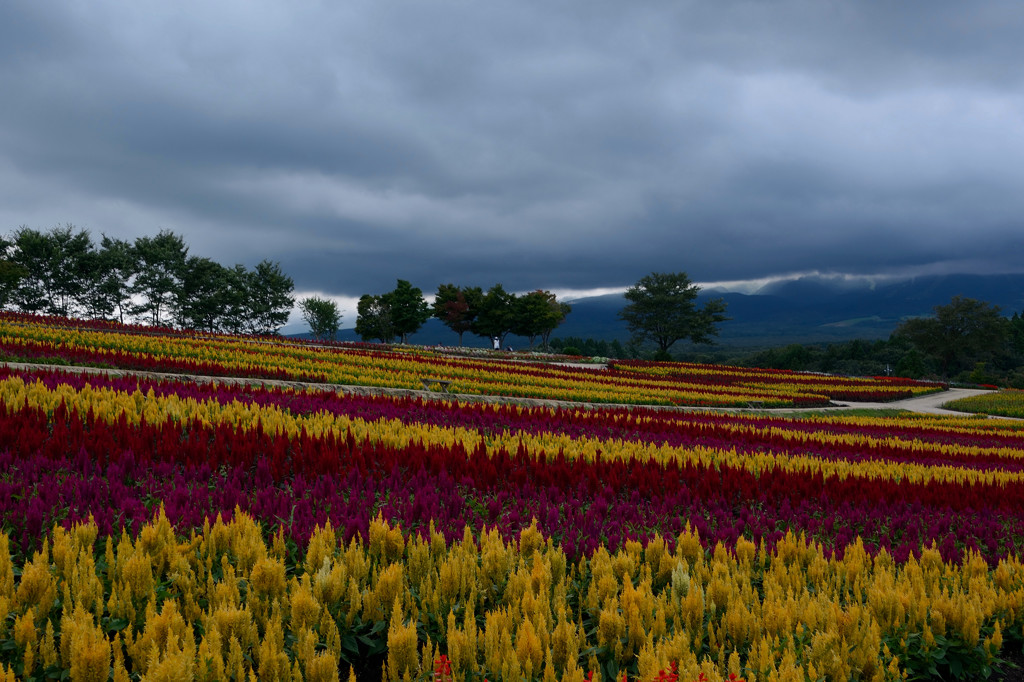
point(495, 316)
point(322, 317)
point(62, 272)
point(409, 310)
point(457, 307)
point(662, 308)
point(199, 302)
point(116, 264)
point(959, 335)
point(399, 312)
point(537, 313)
point(162, 265)
point(373, 318)
point(268, 298)
point(56, 268)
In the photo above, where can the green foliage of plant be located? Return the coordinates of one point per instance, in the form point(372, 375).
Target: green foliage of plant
point(944, 657)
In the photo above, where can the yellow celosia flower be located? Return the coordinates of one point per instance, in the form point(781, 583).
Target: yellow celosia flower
point(26, 637)
point(322, 667)
point(402, 658)
point(90, 650)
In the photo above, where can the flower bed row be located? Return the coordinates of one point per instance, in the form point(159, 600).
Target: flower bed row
point(863, 389)
point(26, 338)
point(1005, 403)
point(227, 602)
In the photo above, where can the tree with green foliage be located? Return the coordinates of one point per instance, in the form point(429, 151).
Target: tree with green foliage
point(592, 347)
point(537, 313)
point(373, 318)
point(199, 303)
point(234, 312)
point(268, 296)
point(57, 268)
point(322, 316)
point(109, 295)
point(11, 273)
point(161, 263)
point(409, 310)
point(959, 335)
point(1017, 334)
point(911, 365)
point(662, 308)
point(457, 307)
point(495, 318)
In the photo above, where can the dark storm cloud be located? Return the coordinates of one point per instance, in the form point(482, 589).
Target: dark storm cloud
point(564, 145)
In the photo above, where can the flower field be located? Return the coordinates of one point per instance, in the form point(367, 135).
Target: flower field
point(361, 532)
point(879, 389)
point(1005, 403)
point(32, 338)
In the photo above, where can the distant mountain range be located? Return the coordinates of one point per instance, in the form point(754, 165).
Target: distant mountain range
point(805, 310)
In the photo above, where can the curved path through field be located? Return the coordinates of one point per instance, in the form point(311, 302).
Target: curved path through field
point(925, 404)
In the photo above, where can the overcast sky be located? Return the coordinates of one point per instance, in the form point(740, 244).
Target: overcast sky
point(557, 144)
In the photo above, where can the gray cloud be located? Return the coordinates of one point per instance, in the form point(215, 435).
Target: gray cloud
point(558, 145)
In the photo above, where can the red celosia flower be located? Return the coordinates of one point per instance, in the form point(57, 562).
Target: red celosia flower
point(443, 669)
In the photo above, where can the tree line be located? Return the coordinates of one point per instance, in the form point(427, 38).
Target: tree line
point(965, 340)
point(152, 280)
point(492, 314)
point(155, 280)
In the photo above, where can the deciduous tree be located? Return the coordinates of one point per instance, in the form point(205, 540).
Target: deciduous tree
point(495, 318)
point(457, 307)
point(662, 308)
point(110, 292)
point(268, 298)
point(199, 303)
point(57, 269)
point(373, 319)
point(322, 316)
point(959, 335)
point(11, 273)
point(161, 268)
point(537, 313)
point(409, 310)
